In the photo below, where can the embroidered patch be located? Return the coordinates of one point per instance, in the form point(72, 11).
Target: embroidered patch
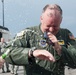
point(43, 43)
point(61, 42)
point(71, 36)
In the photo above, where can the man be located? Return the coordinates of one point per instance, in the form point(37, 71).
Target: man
point(3, 44)
point(44, 49)
point(14, 69)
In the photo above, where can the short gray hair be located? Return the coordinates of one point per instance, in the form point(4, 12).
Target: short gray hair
point(53, 6)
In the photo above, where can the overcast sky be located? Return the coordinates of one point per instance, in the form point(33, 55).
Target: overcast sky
point(20, 14)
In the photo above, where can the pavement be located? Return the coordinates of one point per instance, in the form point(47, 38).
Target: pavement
point(70, 71)
point(21, 72)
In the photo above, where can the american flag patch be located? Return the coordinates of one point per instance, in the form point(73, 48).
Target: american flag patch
point(71, 36)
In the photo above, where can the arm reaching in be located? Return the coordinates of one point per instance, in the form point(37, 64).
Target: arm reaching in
point(1, 62)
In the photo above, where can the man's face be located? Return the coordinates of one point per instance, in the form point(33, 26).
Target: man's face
point(51, 20)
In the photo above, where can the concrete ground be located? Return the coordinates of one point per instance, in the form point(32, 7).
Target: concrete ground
point(20, 71)
point(70, 71)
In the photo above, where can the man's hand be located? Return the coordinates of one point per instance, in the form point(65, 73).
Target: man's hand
point(56, 46)
point(43, 55)
point(1, 62)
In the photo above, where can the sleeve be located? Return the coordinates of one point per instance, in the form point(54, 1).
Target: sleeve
point(69, 57)
point(71, 39)
point(69, 53)
point(18, 50)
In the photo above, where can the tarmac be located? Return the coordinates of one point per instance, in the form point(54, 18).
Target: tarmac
point(21, 72)
point(70, 71)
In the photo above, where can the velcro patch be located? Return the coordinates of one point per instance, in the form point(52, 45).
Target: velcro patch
point(61, 42)
point(71, 36)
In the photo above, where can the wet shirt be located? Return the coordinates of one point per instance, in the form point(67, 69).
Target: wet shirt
point(33, 37)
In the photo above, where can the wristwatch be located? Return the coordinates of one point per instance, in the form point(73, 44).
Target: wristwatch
point(31, 52)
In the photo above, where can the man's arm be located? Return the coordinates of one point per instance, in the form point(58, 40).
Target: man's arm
point(69, 53)
point(18, 50)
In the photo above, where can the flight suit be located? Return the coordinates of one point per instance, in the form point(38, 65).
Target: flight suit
point(34, 37)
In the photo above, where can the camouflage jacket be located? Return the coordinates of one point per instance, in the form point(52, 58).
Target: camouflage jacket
point(33, 37)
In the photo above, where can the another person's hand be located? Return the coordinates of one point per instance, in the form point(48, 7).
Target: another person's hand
point(43, 55)
point(1, 62)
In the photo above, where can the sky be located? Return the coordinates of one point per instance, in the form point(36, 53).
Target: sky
point(19, 14)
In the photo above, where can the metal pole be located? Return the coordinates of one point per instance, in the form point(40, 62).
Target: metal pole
point(3, 11)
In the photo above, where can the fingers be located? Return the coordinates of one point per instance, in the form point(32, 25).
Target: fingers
point(1, 62)
point(49, 34)
point(52, 37)
point(51, 57)
point(44, 55)
point(48, 56)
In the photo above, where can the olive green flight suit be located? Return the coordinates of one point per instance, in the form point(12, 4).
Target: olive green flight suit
point(33, 37)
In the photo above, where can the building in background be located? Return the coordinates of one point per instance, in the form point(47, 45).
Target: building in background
point(5, 33)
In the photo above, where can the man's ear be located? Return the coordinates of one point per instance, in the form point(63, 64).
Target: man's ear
point(61, 19)
point(41, 18)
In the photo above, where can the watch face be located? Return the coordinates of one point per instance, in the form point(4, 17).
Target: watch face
point(31, 52)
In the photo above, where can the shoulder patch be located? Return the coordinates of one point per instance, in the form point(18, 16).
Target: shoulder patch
point(71, 36)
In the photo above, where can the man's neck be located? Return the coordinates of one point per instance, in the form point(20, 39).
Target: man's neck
point(42, 28)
